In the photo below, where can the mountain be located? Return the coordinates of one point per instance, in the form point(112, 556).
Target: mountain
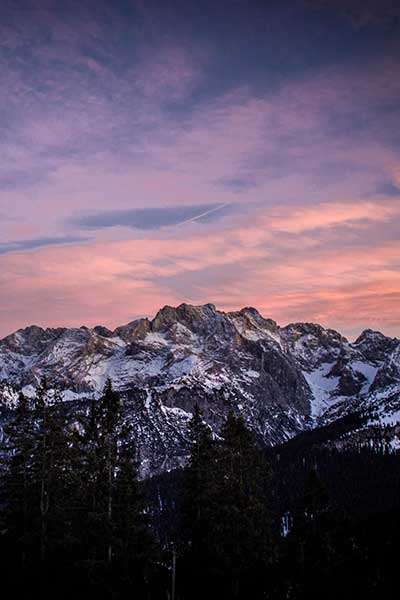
point(282, 380)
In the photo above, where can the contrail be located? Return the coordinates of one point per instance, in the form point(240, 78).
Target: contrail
point(204, 214)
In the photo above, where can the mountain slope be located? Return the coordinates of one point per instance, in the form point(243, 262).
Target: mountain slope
point(282, 380)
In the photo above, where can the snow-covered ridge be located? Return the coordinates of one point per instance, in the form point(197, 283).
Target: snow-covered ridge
point(281, 379)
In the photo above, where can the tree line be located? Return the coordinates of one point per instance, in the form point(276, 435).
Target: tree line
point(73, 517)
point(240, 521)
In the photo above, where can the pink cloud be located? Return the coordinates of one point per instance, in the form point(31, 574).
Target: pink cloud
point(236, 136)
point(113, 282)
point(298, 220)
point(284, 143)
point(168, 73)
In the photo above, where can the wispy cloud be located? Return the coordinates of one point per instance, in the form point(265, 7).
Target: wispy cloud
point(361, 12)
point(148, 218)
point(295, 265)
point(270, 178)
point(387, 188)
point(33, 244)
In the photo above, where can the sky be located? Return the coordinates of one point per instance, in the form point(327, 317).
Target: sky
point(242, 153)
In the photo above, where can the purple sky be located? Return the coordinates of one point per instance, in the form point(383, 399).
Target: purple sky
point(235, 152)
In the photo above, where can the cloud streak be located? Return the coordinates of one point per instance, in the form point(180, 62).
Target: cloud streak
point(34, 243)
point(149, 218)
point(286, 266)
point(152, 157)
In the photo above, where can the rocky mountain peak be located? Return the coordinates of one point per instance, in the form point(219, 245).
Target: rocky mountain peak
point(103, 331)
point(315, 331)
point(202, 319)
point(254, 317)
point(134, 330)
point(31, 339)
point(388, 374)
point(375, 345)
point(253, 326)
point(281, 380)
point(313, 344)
point(369, 334)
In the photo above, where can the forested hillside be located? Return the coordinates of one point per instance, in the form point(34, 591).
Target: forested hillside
point(309, 518)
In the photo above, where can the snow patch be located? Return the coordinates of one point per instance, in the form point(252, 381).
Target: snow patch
point(321, 388)
point(369, 371)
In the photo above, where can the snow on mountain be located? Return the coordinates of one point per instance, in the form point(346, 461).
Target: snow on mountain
point(282, 380)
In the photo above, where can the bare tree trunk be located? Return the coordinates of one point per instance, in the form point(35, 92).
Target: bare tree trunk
point(173, 573)
point(25, 514)
point(109, 509)
point(44, 500)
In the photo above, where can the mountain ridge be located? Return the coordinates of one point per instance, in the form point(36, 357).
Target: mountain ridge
point(282, 380)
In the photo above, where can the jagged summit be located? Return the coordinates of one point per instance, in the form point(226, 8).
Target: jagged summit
point(375, 345)
point(282, 380)
point(314, 329)
point(369, 334)
point(189, 314)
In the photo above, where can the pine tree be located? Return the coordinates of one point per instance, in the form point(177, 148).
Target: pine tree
point(50, 462)
point(309, 546)
point(93, 452)
point(110, 422)
point(243, 544)
point(134, 546)
point(50, 468)
point(116, 544)
point(198, 506)
point(227, 522)
point(35, 482)
point(198, 472)
point(16, 482)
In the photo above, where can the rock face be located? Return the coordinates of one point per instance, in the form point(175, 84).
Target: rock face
point(281, 380)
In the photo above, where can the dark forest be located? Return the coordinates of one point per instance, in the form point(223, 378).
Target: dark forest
point(301, 520)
